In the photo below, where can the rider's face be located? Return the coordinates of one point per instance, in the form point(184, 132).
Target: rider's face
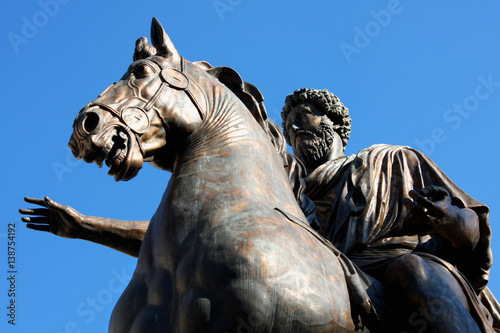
point(312, 135)
point(303, 122)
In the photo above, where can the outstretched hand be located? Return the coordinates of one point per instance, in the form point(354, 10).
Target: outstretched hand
point(431, 211)
point(61, 220)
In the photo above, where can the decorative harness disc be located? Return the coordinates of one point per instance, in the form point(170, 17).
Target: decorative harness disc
point(175, 78)
point(136, 119)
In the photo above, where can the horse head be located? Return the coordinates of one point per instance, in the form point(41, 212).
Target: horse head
point(145, 115)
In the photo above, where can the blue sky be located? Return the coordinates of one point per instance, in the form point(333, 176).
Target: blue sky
point(415, 73)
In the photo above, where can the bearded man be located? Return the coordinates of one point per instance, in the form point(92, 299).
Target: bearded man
point(396, 215)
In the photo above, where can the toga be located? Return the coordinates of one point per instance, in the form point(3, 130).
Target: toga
point(359, 207)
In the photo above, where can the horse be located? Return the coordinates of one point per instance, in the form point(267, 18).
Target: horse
point(228, 249)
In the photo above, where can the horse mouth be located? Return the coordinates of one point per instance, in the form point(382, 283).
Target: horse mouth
point(111, 143)
point(119, 154)
point(116, 152)
point(115, 149)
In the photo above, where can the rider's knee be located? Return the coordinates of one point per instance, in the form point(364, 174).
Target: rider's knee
point(406, 269)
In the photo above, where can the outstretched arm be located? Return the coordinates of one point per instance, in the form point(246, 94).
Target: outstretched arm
point(64, 221)
point(432, 211)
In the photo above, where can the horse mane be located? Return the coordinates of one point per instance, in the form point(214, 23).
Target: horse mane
point(251, 96)
point(246, 92)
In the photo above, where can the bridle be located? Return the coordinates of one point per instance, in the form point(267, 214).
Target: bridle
point(137, 118)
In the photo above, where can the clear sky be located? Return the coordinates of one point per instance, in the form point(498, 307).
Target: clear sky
point(419, 73)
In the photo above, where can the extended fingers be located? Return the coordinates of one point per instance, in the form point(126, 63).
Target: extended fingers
point(37, 211)
point(35, 201)
point(28, 219)
point(39, 227)
point(415, 211)
point(409, 204)
point(49, 203)
point(422, 201)
point(431, 208)
point(434, 192)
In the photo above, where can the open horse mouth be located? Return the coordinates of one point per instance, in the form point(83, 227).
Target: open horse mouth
point(115, 148)
point(118, 154)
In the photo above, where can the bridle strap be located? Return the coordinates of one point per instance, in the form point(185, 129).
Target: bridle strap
point(155, 97)
point(170, 77)
point(183, 83)
point(191, 94)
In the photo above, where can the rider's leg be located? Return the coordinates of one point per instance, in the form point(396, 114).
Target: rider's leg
point(433, 296)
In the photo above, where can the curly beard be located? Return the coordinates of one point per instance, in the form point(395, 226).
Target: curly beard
point(313, 151)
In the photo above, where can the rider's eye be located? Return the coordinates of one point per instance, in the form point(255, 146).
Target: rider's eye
point(304, 113)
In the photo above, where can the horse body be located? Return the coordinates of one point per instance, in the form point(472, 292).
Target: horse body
point(221, 253)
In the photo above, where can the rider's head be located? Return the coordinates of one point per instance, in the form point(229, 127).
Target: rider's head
point(316, 124)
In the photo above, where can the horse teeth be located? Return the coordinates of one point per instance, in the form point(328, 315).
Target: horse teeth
point(121, 156)
point(117, 158)
point(109, 144)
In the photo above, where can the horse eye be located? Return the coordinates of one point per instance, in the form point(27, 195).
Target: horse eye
point(142, 70)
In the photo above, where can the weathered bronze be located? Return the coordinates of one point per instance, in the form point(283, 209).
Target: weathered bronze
point(397, 216)
point(232, 248)
point(228, 249)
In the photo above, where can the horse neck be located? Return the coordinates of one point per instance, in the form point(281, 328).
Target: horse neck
point(227, 134)
point(229, 161)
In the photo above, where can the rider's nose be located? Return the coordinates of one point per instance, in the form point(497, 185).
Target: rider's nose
point(90, 122)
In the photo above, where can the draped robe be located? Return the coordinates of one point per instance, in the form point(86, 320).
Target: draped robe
point(358, 203)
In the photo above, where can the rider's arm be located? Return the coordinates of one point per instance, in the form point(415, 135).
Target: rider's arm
point(64, 221)
point(462, 228)
point(123, 236)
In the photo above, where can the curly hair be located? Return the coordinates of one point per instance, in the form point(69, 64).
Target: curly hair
point(327, 102)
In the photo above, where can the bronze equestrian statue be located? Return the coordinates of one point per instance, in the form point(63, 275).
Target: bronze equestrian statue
point(229, 249)
point(228, 244)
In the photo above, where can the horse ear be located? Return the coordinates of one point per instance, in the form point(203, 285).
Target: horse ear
point(143, 49)
point(162, 42)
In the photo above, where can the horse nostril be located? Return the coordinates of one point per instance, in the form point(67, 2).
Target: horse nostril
point(90, 122)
